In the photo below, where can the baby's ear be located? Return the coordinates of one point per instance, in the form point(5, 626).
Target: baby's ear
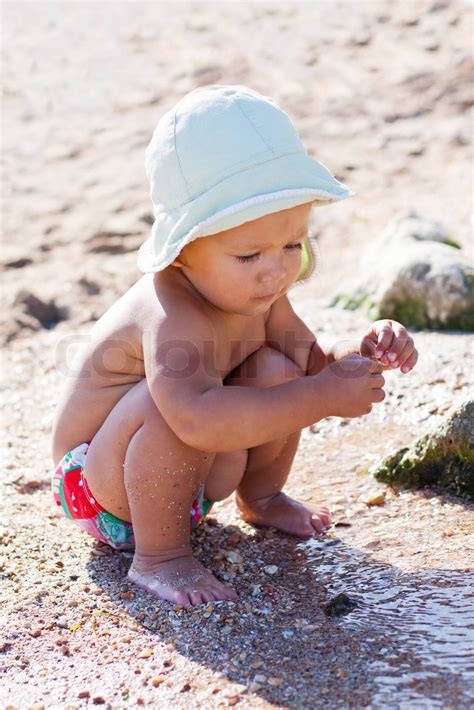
point(180, 260)
point(178, 263)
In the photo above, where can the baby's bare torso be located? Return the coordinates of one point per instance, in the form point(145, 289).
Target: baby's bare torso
point(112, 360)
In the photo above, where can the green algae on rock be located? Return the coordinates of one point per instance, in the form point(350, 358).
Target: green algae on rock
point(443, 457)
point(416, 274)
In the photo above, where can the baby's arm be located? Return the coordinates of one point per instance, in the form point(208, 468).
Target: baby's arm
point(180, 365)
point(190, 394)
point(287, 333)
point(385, 340)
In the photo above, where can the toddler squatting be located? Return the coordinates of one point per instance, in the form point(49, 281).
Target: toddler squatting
point(197, 382)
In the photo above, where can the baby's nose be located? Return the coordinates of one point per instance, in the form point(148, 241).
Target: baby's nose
point(273, 273)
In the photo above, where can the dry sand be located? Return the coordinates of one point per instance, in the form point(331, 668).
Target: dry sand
point(380, 92)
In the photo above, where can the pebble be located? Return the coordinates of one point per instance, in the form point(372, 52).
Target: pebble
point(157, 681)
point(287, 633)
point(270, 569)
point(342, 523)
point(260, 679)
point(276, 682)
point(234, 556)
point(376, 498)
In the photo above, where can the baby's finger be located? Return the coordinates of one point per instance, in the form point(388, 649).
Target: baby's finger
point(405, 354)
point(384, 341)
point(411, 362)
point(377, 381)
point(378, 395)
point(375, 366)
point(396, 348)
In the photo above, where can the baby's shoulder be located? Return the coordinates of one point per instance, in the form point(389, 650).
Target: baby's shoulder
point(173, 312)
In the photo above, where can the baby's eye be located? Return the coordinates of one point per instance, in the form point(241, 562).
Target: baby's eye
point(252, 257)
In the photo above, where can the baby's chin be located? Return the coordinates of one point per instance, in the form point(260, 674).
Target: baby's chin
point(251, 307)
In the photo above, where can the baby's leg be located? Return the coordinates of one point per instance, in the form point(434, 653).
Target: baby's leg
point(259, 495)
point(139, 470)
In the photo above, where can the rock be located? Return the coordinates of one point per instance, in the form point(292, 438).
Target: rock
point(339, 605)
point(342, 523)
point(270, 569)
point(443, 457)
point(235, 539)
point(416, 274)
point(376, 498)
point(234, 557)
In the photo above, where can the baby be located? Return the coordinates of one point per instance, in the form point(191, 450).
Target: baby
point(197, 382)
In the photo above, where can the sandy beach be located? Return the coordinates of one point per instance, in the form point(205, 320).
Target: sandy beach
point(381, 93)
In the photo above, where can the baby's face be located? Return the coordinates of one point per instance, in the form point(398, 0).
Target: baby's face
point(235, 268)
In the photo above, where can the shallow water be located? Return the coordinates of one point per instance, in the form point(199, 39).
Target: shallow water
point(427, 615)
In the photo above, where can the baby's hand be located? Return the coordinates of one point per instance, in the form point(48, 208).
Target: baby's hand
point(390, 343)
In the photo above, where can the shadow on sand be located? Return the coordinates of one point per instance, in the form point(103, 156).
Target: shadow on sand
point(408, 639)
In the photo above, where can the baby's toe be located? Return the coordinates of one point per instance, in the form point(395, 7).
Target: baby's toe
point(182, 599)
point(207, 596)
point(227, 594)
point(318, 522)
point(326, 517)
point(196, 597)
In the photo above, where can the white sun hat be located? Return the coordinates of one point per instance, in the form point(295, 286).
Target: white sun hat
point(225, 155)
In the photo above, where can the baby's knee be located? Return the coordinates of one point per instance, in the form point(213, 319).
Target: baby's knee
point(226, 473)
point(271, 367)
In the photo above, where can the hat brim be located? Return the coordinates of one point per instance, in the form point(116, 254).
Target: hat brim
point(289, 180)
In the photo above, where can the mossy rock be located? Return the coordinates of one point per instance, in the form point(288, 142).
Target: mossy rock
point(415, 275)
point(443, 458)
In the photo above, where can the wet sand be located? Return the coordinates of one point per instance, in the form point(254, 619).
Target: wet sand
point(381, 96)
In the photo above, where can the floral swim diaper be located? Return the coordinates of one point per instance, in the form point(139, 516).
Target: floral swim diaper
point(72, 494)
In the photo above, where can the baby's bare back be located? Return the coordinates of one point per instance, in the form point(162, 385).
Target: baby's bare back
point(112, 361)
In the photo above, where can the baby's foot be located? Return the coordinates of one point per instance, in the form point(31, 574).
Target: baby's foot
point(182, 580)
point(284, 513)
